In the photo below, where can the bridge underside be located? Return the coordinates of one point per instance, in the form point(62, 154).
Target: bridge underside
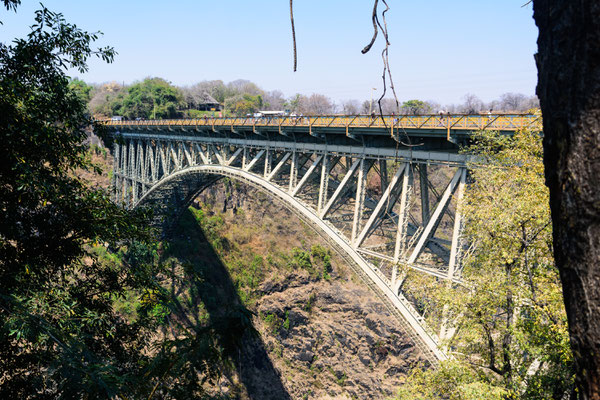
point(390, 210)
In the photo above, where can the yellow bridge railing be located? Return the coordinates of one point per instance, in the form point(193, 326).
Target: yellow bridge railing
point(452, 122)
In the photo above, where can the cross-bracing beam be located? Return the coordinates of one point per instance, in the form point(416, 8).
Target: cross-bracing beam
point(203, 156)
point(234, 157)
point(423, 179)
point(280, 164)
point(359, 202)
point(254, 160)
point(341, 187)
point(268, 160)
point(329, 162)
point(435, 218)
point(307, 175)
point(380, 205)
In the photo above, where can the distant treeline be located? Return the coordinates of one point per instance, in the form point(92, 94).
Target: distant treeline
point(156, 98)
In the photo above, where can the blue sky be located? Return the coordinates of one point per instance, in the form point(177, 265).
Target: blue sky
point(440, 50)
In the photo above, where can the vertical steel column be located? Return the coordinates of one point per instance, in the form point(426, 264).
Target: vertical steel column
point(116, 171)
point(133, 172)
point(360, 198)
point(424, 193)
point(446, 329)
point(179, 155)
point(324, 183)
point(164, 158)
point(348, 163)
point(156, 163)
point(307, 175)
point(141, 163)
point(209, 154)
point(124, 173)
point(244, 157)
point(268, 157)
point(399, 249)
point(174, 156)
point(384, 201)
point(340, 189)
point(225, 154)
point(454, 249)
point(147, 164)
point(434, 221)
point(141, 167)
point(293, 171)
point(383, 175)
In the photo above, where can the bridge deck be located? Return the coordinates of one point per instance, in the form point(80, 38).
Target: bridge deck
point(420, 124)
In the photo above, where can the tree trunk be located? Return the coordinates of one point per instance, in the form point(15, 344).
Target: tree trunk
point(568, 63)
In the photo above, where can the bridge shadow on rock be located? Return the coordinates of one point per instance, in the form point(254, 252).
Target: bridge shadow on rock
point(206, 290)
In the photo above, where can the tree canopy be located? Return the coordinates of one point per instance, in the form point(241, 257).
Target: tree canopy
point(152, 98)
point(59, 334)
point(511, 337)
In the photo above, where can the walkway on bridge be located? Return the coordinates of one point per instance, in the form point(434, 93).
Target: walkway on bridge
point(435, 124)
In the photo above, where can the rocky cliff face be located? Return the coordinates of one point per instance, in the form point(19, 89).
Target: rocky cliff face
point(325, 334)
point(340, 341)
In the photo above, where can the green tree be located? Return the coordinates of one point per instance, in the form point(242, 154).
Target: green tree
point(152, 98)
point(83, 90)
point(415, 107)
point(59, 334)
point(244, 104)
point(452, 380)
point(511, 328)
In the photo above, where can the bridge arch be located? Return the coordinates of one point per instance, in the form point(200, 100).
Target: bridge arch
point(176, 191)
point(380, 203)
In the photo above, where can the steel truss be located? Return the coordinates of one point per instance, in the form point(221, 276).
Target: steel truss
point(365, 201)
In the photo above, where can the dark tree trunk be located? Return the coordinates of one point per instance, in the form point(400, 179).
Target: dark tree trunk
point(568, 62)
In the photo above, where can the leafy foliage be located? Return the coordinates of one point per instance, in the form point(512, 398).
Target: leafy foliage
point(416, 107)
point(152, 98)
point(452, 381)
point(511, 328)
point(68, 255)
point(244, 104)
point(83, 90)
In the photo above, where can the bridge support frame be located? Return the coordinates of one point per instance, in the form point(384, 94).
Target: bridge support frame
point(369, 212)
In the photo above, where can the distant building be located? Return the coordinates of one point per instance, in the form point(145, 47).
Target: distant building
point(208, 103)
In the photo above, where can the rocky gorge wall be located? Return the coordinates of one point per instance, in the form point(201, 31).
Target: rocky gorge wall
point(324, 332)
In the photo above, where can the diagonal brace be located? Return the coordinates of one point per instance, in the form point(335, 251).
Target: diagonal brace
point(307, 175)
point(203, 156)
point(234, 156)
point(254, 160)
point(433, 221)
point(382, 202)
point(278, 166)
point(340, 188)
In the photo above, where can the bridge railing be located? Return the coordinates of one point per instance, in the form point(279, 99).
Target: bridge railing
point(503, 122)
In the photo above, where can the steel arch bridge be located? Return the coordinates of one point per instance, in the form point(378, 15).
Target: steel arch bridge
point(384, 191)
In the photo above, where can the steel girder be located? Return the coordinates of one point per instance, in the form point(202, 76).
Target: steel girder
point(355, 205)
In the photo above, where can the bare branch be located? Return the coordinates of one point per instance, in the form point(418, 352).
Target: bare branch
point(293, 34)
point(375, 30)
